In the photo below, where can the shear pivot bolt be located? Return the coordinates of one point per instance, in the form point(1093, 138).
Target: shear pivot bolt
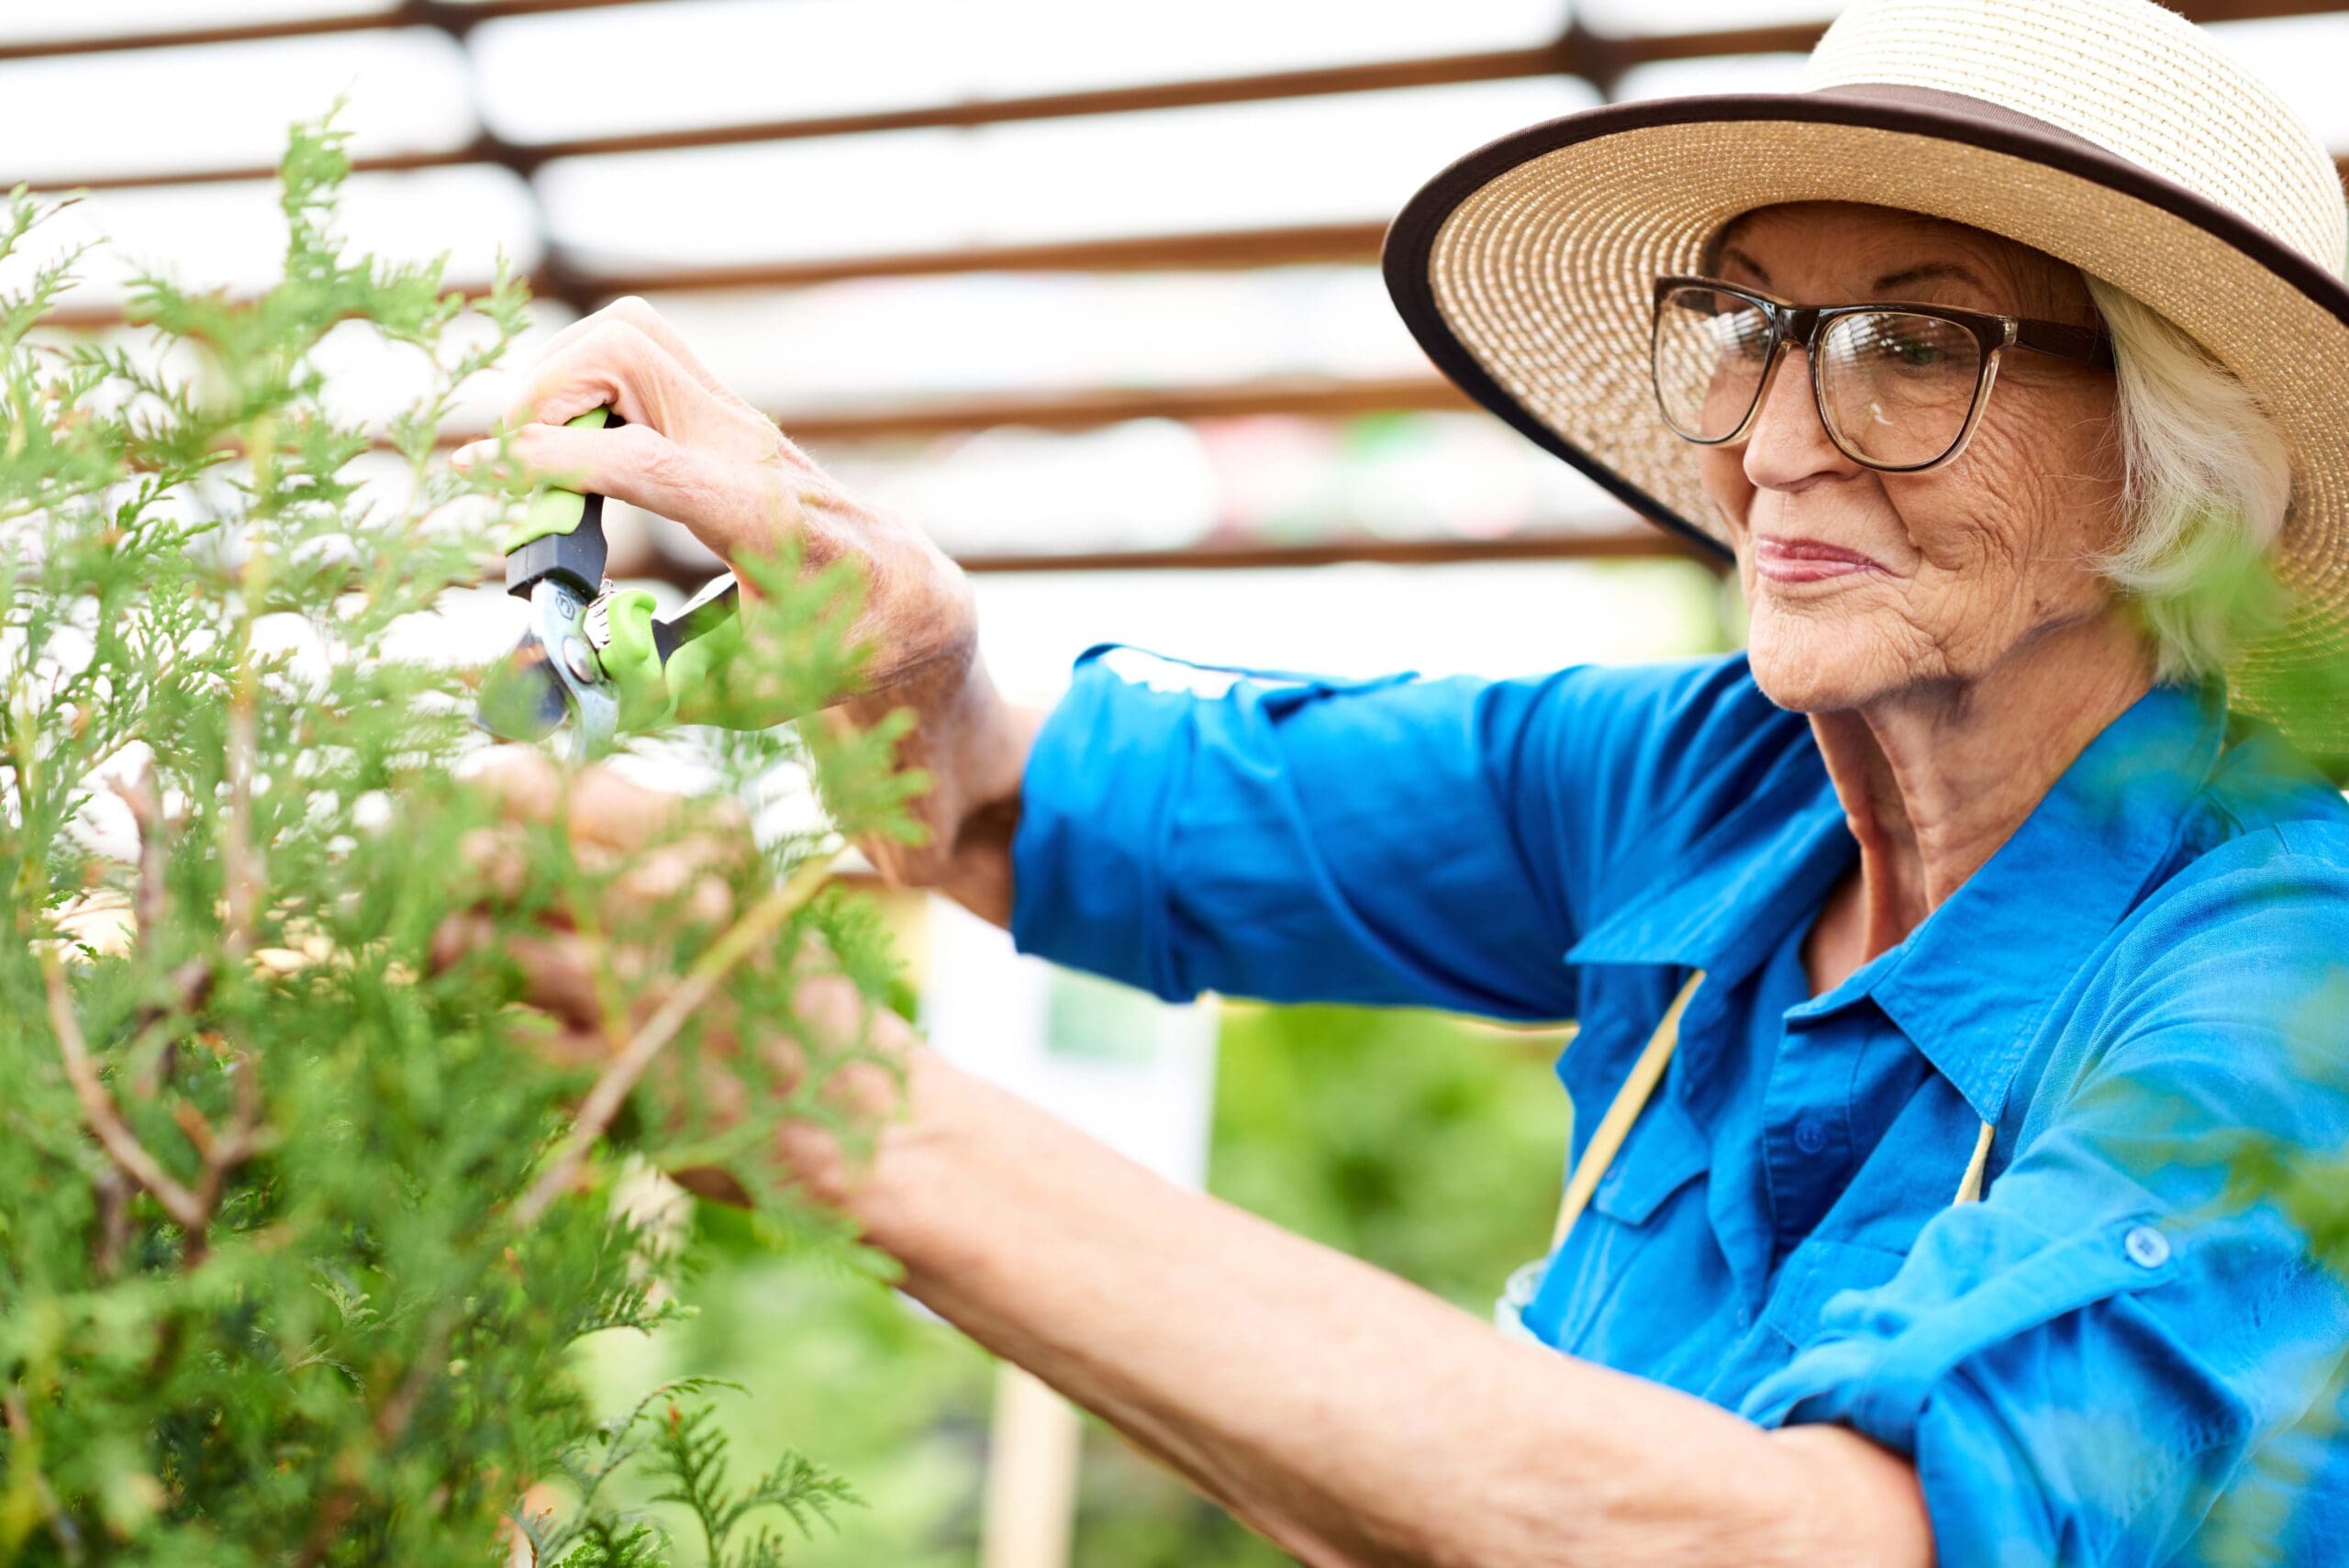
point(578, 659)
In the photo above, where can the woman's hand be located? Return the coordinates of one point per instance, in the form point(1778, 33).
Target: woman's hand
point(695, 452)
point(588, 973)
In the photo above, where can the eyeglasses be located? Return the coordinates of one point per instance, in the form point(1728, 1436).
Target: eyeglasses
point(1899, 387)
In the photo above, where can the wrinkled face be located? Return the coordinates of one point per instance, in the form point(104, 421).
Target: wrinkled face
point(1864, 585)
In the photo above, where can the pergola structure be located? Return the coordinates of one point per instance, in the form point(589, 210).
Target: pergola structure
point(1601, 59)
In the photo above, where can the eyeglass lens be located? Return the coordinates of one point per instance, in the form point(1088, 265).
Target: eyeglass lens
point(1894, 387)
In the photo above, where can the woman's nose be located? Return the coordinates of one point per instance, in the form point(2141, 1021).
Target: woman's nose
point(1788, 446)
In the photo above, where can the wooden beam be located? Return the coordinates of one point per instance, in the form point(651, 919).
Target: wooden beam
point(1432, 71)
point(570, 280)
point(1316, 397)
point(1320, 398)
point(457, 19)
point(1619, 538)
point(1228, 249)
point(1628, 541)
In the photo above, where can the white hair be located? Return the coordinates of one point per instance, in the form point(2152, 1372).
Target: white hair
point(2208, 479)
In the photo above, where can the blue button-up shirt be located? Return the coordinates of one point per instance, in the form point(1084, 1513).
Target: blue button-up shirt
point(2154, 964)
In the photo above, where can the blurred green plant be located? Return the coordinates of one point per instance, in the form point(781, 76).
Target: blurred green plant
point(303, 1224)
point(1426, 1144)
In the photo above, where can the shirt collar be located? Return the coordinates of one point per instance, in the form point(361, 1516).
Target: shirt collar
point(1724, 902)
point(1969, 985)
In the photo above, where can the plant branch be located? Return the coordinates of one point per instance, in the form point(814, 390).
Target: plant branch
point(151, 913)
point(149, 905)
point(240, 861)
point(98, 1108)
point(611, 1091)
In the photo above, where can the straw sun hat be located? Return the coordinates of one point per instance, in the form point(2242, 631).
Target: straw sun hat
point(2112, 134)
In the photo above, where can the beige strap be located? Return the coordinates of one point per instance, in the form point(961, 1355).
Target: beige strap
point(1632, 1098)
point(1970, 1189)
point(1629, 1100)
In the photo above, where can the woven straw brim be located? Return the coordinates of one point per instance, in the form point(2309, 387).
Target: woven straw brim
point(1527, 273)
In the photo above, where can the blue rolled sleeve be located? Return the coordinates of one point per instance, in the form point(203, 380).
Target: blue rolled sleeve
point(1186, 830)
point(1429, 843)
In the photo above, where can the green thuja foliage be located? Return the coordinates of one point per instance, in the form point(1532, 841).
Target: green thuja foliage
point(303, 1211)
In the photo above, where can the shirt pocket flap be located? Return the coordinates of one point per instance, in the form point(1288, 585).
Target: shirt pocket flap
point(1665, 1152)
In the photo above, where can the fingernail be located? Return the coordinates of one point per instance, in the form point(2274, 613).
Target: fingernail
point(470, 453)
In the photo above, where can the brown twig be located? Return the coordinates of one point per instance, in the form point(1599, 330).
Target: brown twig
point(113, 1190)
point(150, 911)
point(148, 905)
point(240, 860)
point(99, 1109)
point(611, 1091)
point(190, 1209)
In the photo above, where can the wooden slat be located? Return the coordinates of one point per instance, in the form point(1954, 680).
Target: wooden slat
point(583, 287)
point(1618, 535)
point(178, 37)
point(449, 18)
point(1432, 71)
point(1624, 538)
point(1632, 540)
point(1311, 397)
point(1316, 397)
point(1223, 250)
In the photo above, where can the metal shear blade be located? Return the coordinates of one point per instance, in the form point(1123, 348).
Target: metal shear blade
point(552, 678)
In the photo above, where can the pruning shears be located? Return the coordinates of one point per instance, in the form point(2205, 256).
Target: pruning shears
point(593, 657)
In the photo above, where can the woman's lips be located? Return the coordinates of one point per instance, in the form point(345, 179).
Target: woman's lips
point(1784, 560)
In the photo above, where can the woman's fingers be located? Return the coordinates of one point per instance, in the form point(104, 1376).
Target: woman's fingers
point(615, 364)
point(676, 454)
point(736, 507)
point(636, 464)
point(635, 313)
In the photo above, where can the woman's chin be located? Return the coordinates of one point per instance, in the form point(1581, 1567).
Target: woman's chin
point(1813, 669)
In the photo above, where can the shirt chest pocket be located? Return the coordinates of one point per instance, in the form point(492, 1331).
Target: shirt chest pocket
point(1639, 1236)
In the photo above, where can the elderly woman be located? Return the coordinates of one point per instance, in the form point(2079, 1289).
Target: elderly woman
point(1926, 955)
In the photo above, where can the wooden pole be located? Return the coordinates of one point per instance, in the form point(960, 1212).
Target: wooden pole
point(1033, 1451)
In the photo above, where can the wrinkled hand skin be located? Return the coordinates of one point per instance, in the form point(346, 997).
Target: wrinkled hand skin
point(693, 451)
point(668, 868)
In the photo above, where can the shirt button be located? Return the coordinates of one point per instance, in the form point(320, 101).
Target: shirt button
point(2147, 1247)
point(1745, 1317)
point(1810, 1135)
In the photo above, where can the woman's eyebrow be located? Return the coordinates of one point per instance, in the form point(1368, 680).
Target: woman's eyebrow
point(1930, 271)
point(1761, 273)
